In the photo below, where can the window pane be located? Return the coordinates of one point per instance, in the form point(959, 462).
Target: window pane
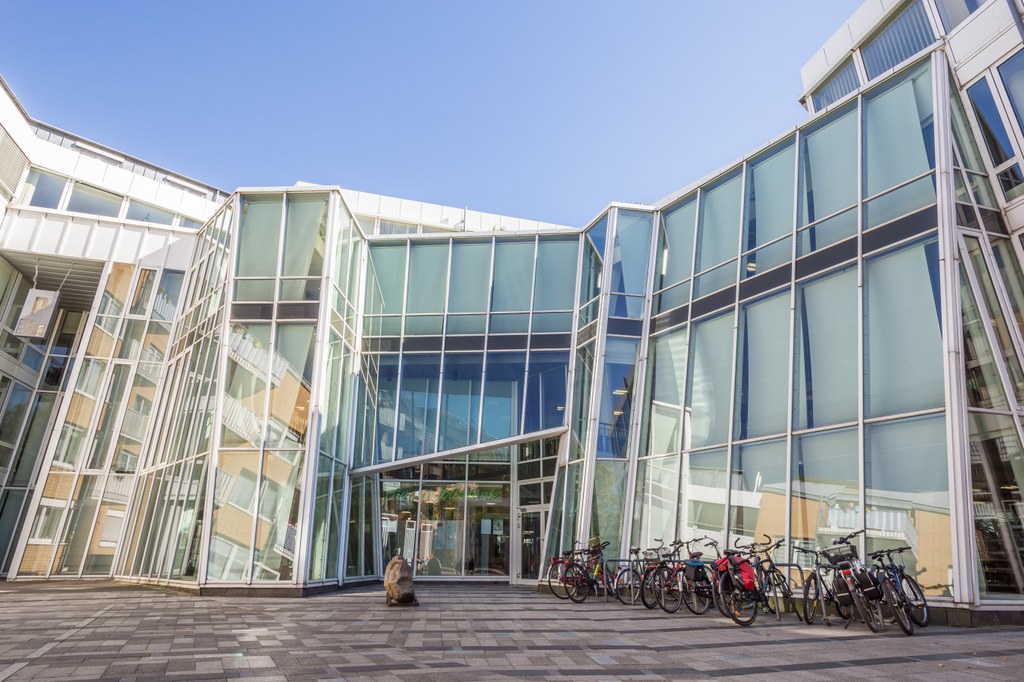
point(1009, 270)
point(149, 214)
point(841, 84)
point(44, 189)
point(234, 503)
point(385, 281)
point(398, 502)
point(704, 489)
point(305, 232)
point(997, 475)
point(428, 271)
point(899, 202)
point(513, 275)
point(582, 383)
point(258, 233)
point(663, 408)
point(292, 374)
point(503, 395)
point(992, 129)
point(709, 381)
point(85, 199)
point(758, 501)
point(442, 529)
point(769, 257)
point(657, 500)
point(955, 12)
point(616, 406)
point(460, 400)
point(470, 281)
point(899, 134)
point(762, 367)
point(417, 404)
point(245, 385)
point(1012, 73)
point(770, 196)
point(907, 34)
point(545, 391)
point(826, 487)
point(487, 529)
point(966, 143)
point(828, 166)
point(907, 496)
point(278, 516)
point(825, 372)
point(597, 233)
point(675, 243)
point(631, 252)
point(556, 274)
point(903, 345)
point(719, 224)
point(607, 510)
point(826, 233)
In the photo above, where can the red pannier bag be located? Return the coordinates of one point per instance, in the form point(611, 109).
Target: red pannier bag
point(746, 571)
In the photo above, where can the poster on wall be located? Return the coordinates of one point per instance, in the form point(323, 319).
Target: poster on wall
point(37, 314)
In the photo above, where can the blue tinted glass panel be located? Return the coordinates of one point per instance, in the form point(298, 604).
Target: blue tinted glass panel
point(417, 404)
point(770, 182)
point(556, 274)
point(598, 234)
point(513, 275)
point(955, 12)
point(675, 243)
point(826, 233)
point(428, 270)
point(471, 272)
point(387, 393)
point(631, 252)
point(709, 382)
point(460, 400)
point(841, 84)
point(992, 129)
point(503, 395)
point(386, 280)
point(762, 367)
point(666, 382)
point(616, 406)
point(545, 391)
point(826, 487)
point(718, 230)
point(906, 35)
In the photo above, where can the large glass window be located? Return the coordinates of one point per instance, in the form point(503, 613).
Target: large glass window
point(292, 380)
point(828, 166)
point(616, 406)
point(631, 252)
point(997, 475)
point(717, 231)
point(556, 274)
point(825, 353)
point(147, 213)
point(903, 329)
point(417, 404)
point(428, 271)
point(305, 235)
point(955, 12)
point(546, 391)
point(582, 382)
point(259, 230)
point(708, 385)
point(233, 506)
point(657, 500)
point(398, 508)
point(43, 189)
point(442, 529)
point(386, 280)
point(770, 180)
point(460, 400)
point(608, 508)
point(997, 140)
point(899, 134)
point(705, 489)
point(469, 290)
point(842, 83)
point(503, 395)
point(984, 386)
point(907, 34)
point(757, 503)
point(675, 252)
point(826, 487)
point(762, 367)
point(86, 199)
point(487, 529)
point(513, 275)
point(907, 496)
point(666, 382)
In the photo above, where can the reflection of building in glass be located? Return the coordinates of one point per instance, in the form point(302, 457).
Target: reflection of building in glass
point(290, 386)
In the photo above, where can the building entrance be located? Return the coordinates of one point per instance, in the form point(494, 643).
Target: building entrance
point(529, 541)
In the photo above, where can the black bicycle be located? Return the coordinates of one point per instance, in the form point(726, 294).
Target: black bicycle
point(820, 592)
point(905, 585)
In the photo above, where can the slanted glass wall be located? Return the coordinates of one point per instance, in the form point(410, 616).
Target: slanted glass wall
point(809, 346)
point(466, 341)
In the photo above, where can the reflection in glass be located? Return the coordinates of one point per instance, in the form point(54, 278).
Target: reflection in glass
point(899, 135)
point(616, 406)
point(278, 516)
point(258, 235)
point(825, 371)
point(984, 386)
point(556, 274)
point(385, 279)
point(708, 383)
point(762, 364)
point(607, 508)
point(245, 385)
point(398, 503)
point(903, 344)
point(907, 497)
point(469, 290)
point(770, 182)
point(488, 529)
point(546, 390)
point(657, 500)
point(757, 504)
point(503, 395)
point(705, 490)
point(234, 503)
point(417, 404)
point(631, 252)
point(826, 487)
point(460, 400)
point(442, 529)
point(513, 275)
point(305, 234)
point(428, 270)
point(718, 227)
point(663, 405)
point(828, 166)
point(997, 474)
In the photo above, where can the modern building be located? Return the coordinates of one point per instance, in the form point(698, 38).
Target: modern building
point(285, 387)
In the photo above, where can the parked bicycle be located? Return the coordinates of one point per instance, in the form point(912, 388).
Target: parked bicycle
point(908, 591)
point(819, 591)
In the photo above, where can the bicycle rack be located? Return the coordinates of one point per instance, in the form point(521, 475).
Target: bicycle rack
point(800, 569)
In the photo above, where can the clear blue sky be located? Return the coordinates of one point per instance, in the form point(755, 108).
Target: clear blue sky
point(539, 109)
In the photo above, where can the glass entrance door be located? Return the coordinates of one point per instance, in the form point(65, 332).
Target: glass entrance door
point(530, 542)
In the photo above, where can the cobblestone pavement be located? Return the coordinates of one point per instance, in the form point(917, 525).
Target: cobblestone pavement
point(464, 632)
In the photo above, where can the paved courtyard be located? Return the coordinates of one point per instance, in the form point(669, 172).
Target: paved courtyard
point(469, 632)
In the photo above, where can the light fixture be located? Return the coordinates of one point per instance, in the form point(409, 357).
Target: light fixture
point(751, 266)
point(620, 391)
point(617, 413)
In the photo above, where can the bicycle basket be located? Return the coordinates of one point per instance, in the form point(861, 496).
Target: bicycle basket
point(837, 555)
point(651, 555)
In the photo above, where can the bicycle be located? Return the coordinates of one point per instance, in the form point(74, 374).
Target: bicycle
point(864, 591)
point(773, 589)
point(819, 590)
point(586, 578)
point(906, 586)
point(737, 587)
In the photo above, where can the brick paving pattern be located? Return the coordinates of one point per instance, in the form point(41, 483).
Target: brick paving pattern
point(460, 632)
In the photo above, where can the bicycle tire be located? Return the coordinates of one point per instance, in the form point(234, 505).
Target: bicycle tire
point(699, 593)
point(899, 607)
point(812, 598)
point(648, 590)
point(867, 611)
point(577, 584)
point(556, 579)
point(669, 594)
point(741, 608)
point(716, 596)
point(918, 604)
point(627, 586)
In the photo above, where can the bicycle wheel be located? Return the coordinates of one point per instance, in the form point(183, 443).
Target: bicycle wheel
point(649, 589)
point(627, 586)
point(918, 604)
point(812, 598)
point(900, 609)
point(739, 603)
point(669, 594)
point(717, 597)
point(868, 611)
point(556, 579)
point(699, 592)
point(577, 584)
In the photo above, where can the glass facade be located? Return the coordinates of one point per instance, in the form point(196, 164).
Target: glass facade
point(823, 337)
